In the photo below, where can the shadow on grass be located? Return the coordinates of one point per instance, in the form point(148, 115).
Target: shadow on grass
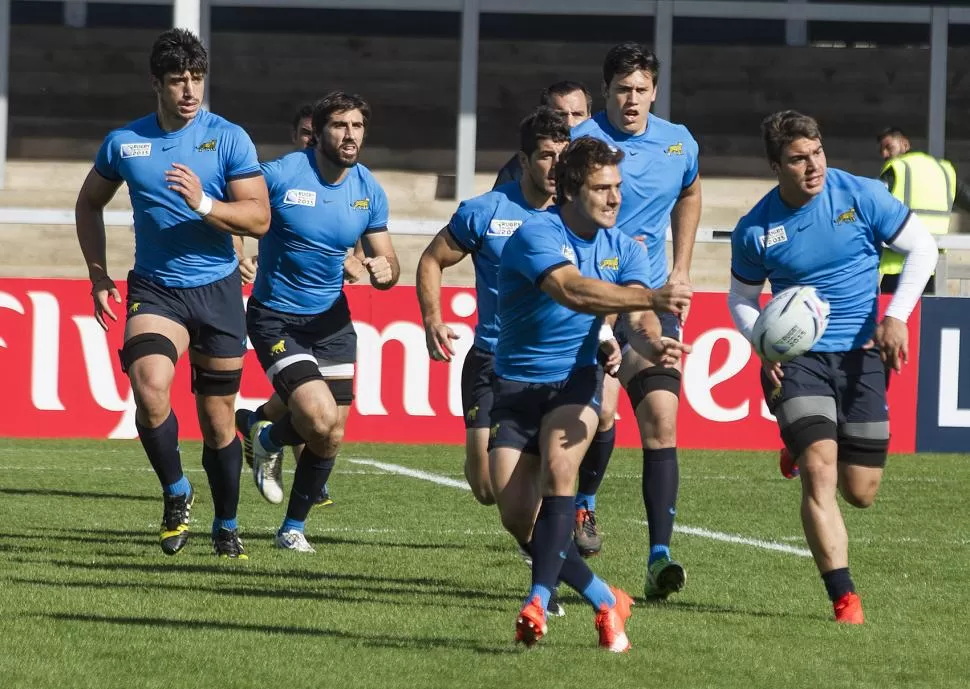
point(719, 609)
point(375, 639)
point(73, 537)
point(84, 495)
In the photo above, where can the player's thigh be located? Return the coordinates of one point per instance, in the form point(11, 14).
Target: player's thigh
point(476, 455)
point(609, 402)
point(864, 426)
point(569, 421)
point(276, 338)
point(218, 317)
point(804, 404)
point(517, 412)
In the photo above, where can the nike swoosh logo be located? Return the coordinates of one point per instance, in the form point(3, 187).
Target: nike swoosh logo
point(169, 148)
point(328, 200)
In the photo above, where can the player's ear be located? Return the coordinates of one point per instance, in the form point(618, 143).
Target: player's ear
point(156, 84)
point(523, 160)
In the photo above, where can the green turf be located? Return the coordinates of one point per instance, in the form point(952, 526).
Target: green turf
point(415, 585)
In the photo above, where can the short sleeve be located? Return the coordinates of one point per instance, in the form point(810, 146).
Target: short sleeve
point(465, 228)
point(747, 259)
point(634, 263)
point(241, 159)
point(536, 252)
point(692, 168)
point(106, 162)
point(378, 207)
point(883, 212)
point(273, 174)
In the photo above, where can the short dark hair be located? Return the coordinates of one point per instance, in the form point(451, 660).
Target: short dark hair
point(305, 110)
point(176, 51)
point(544, 123)
point(781, 128)
point(581, 158)
point(337, 101)
point(563, 88)
point(627, 58)
point(891, 131)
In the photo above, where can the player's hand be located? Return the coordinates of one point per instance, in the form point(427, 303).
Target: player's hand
point(101, 290)
point(353, 269)
point(379, 269)
point(892, 338)
point(247, 269)
point(610, 355)
point(438, 338)
point(186, 183)
point(668, 351)
point(678, 277)
point(772, 369)
point(673, 297)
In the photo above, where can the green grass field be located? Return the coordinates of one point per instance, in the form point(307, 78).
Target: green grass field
point(415, 585)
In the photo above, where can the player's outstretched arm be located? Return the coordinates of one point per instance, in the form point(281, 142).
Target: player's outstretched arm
point(380, 259)
point(246, 213)
point(443, 252)
point(570, 288)
point(95, 194)
point(684, 219)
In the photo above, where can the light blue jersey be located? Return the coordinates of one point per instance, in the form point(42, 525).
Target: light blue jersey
point(301, 258)
point(173, 246)
point(656, 167)
point(482, 226)
point(832, 243)
point(539, 340)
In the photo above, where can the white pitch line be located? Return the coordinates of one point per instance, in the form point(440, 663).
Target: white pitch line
point(690, 530)
point(413, 473)
point(741, 540)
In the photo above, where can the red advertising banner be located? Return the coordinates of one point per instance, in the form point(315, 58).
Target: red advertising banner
point(62, 378)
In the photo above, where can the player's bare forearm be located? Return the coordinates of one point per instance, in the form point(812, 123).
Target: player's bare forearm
point(428, 282)
point(588, 295)
point(244, 218)
point(684, 219)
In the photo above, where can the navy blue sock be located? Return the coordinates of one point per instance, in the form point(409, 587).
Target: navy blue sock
point(162, 447)
point(312, 472)
point(593, 467)
point(576, 574)
point(551, 540)
point(282, 433)
point(228, 524)
point(838, 582)
point(223, 467)
point(661, 476)
point(254, 417)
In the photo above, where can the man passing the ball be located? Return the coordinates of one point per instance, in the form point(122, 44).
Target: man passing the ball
point(826, 229)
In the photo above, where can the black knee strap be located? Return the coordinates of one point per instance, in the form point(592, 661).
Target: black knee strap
point(867, 452)
point(342, 390)
point(650, 379)
point(215, 383)
point(289, 378)
point(146, 344)
point(807, 430)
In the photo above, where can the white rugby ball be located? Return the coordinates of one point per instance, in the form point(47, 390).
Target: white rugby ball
point(790, 324)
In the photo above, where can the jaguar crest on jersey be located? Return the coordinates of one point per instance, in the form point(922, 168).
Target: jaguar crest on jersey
point(209, 145)
point(361, 205)
point(846, 217)
point(611, 263)
point(676, 149)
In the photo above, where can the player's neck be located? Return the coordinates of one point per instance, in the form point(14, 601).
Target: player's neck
point(329, 172)
point(170, 123)
point(537, 198)
point(794, 199)
point(577, 223)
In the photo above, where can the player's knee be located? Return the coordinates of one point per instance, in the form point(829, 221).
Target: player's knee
point(607, 420)
point(517, 523)
point(217, 420)
point(477, 475)
point(858, 498)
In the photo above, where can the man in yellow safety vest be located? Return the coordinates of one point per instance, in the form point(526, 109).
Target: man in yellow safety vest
point(928, 185)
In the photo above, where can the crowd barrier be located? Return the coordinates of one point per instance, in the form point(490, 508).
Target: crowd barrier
point(62, 377)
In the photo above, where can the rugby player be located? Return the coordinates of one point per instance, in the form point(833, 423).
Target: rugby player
point(194, 181)
point(826, 228)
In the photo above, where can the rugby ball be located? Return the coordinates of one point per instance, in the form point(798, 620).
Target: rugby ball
point(790, 324)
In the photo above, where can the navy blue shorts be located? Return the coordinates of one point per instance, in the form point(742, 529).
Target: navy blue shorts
point(213, 314)
point(280, 339)
point(477, 395)
point(669, 327)
point(833, 395)
point(519, 408)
